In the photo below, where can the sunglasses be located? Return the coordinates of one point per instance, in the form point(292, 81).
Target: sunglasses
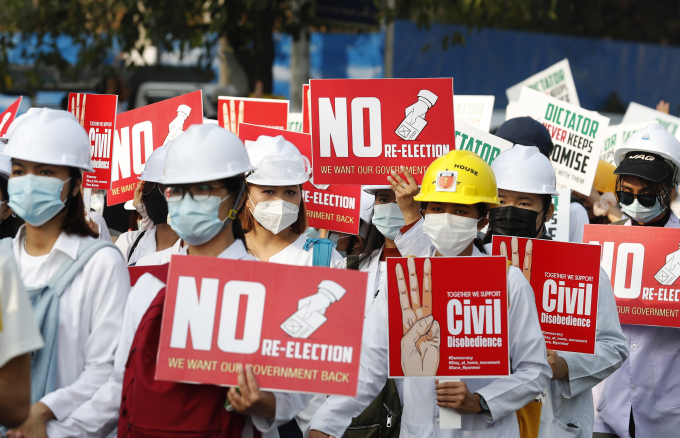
point(645, 199)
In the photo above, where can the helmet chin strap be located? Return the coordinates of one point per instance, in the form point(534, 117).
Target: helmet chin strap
point(233, 212)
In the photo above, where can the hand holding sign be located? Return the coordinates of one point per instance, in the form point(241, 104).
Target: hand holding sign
point(420, 344)
point(457, 396)
point(248, 399)
point(528, 254)
point(404, 192)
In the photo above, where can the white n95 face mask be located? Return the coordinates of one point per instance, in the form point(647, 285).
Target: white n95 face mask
point(449, 233)
point(275, 216)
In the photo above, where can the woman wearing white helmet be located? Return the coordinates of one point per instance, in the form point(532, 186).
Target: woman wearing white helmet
point(78, 284)
point(204, 186)
point(136, 244)
point(526, 182)
point(641, 397)
point(275, 215)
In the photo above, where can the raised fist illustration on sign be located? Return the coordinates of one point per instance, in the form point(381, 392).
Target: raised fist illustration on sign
point(420, 344)
point(414, 121)
point(176, 127)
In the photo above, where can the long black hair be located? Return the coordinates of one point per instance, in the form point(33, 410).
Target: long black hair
point(75, 222)
point(10, 226)
point(374, 242)
point(236, 185)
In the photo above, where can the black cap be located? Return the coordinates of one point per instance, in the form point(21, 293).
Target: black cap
point(652, 167)
point(527, 132)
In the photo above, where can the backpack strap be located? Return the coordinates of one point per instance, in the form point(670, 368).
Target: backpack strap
point(60, 280)
point(321, 250)
point(134, 245)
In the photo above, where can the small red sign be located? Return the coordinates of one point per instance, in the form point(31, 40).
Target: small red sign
point(97, 114)
point(299, 327)
point(458, 327)
point(140, 131)
point(8, 116)
point(565, 278)
point(306, 110)
point(335, 208)
point(363, 129)
point(643, 264)
point(232, 111)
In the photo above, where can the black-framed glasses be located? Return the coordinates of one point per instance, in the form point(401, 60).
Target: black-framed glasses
point(645, 199)
point(148, 187)
point(198, 192)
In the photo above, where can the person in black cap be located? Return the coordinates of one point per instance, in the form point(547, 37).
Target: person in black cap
point(641, 398)
point(529, 132)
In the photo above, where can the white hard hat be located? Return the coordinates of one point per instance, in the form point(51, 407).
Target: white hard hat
point(372, 190)
point(51, 137)
point(5, 166)
point(653, 139)
point(15, 123)
point(204, 153)
point(525, 169)
point(153, 169)
point(277, 162)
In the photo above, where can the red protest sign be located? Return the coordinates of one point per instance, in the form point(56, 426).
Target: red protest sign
point(363, 129)
point(8, 116)
point(300, 327)
point(643, 264)
point(232, 111)
point(459, 327)
point(565, 278)
point(306, 109)
point(140, 131)
point(335, 208)
point(97, 114)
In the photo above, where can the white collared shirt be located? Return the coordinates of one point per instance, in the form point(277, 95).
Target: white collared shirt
point(90, 314)
point(146, 245)
point(161, 257)
point(99, 416)
point(420, 417)
point(648, 382)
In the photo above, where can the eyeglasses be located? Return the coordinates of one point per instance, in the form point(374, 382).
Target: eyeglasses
point(198, 192)
point(645, 199)
point(148, 187)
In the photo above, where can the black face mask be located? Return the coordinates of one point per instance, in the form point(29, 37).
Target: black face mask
point(156, 207)
point(513, 221)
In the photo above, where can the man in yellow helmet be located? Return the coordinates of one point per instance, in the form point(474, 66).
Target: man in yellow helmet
point(457, 190)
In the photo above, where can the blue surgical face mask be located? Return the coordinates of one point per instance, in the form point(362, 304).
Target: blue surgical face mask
point(639, 212)
point(388, 219)
point(35, 199)
point(196, 222)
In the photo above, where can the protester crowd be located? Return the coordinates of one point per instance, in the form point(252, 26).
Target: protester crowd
point(86, 368)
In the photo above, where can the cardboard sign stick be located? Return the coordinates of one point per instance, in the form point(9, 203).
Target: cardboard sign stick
point(449, 418)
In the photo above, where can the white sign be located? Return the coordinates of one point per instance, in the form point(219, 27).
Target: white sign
point(558, 227)
point(475, 111)
point(637, 113)
point(486, 145)
point(616, 137)
point(555, 81)
point(295, 122)
point(578, 136)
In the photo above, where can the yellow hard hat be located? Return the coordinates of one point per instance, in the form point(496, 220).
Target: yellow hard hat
point(605, 180)
point(459, 177)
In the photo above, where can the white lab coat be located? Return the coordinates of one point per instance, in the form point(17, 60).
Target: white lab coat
point(146, 245)
point(161, 257)
point(648, 382)
point(420, 416)
point(375, 269)
point(578, 218)
point(101, 412)
point(572, 401)
point(90, 314)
